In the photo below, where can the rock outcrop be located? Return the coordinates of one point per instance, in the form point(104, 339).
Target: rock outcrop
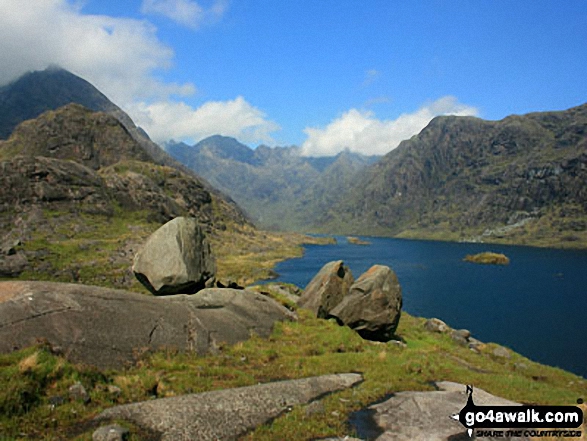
point(73, 159)
point(109, 328)
point(229, 413)
point(460, 336)
point(327, 288)
point(74, 132)
point(373, 304)
point(176, 259)
point(12, 262)
point(425, 416)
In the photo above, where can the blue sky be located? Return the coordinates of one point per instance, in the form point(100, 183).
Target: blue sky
point(323, 74)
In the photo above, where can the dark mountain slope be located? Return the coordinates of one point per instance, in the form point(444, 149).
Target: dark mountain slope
point(37, 92)
point(521, 179)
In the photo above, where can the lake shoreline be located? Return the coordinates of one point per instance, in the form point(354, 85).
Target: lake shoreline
point(516, 315)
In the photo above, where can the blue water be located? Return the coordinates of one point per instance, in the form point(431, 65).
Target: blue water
point(536, 305)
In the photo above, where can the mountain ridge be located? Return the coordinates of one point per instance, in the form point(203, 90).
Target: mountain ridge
point(517, 180)
point(79, 195)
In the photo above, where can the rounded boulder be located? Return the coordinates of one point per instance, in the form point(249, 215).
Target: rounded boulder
point(176, 259)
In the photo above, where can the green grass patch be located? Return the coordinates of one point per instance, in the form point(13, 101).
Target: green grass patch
point(308, 347)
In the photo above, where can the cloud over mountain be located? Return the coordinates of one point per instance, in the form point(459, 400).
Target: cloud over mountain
point(177, 120)
point(124, 58)
point(361, 132)
point(118, 55)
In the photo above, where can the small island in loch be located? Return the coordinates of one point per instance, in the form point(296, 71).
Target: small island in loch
point(488, 258)
point(356, 241)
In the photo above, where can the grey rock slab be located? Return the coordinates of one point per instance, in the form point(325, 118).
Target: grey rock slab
point(228, 413)
point(327, 288)
point(110, 328)
point(501, 352)
point(289, 292)
point(425, 416)
point(176, 259)
point(77, 392)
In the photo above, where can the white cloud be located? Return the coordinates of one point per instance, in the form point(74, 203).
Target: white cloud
point(185, 12)
point(165, 120)
point(361, 132)
point(119, 56)
point(122, 58)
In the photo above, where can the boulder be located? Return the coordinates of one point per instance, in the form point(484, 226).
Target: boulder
point(77, 392)
point(327, 288)
point(228, 413)
point(373, 304)
point(12, 265)
point(425, 416)
point(176, 259)
point(436, 325)
point(110, 328)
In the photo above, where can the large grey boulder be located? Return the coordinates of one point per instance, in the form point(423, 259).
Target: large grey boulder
point(373, 304)
point(228, 413)
point(327, 288)
point(109, 328)
point(426, 416)
point(176, 259)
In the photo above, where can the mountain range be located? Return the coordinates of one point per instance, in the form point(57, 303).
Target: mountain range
point(278, 187)
point(518, 180)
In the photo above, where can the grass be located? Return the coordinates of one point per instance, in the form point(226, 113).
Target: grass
point(99, 250)
point(251, 255)
point(84, 248)
point(31, 378)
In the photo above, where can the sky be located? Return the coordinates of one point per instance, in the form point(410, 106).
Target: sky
point(325, 75)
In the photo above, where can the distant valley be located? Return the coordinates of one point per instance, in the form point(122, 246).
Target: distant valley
point(278, 187)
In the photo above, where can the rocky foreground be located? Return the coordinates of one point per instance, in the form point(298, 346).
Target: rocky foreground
point(109, 328)
point(192, 315)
